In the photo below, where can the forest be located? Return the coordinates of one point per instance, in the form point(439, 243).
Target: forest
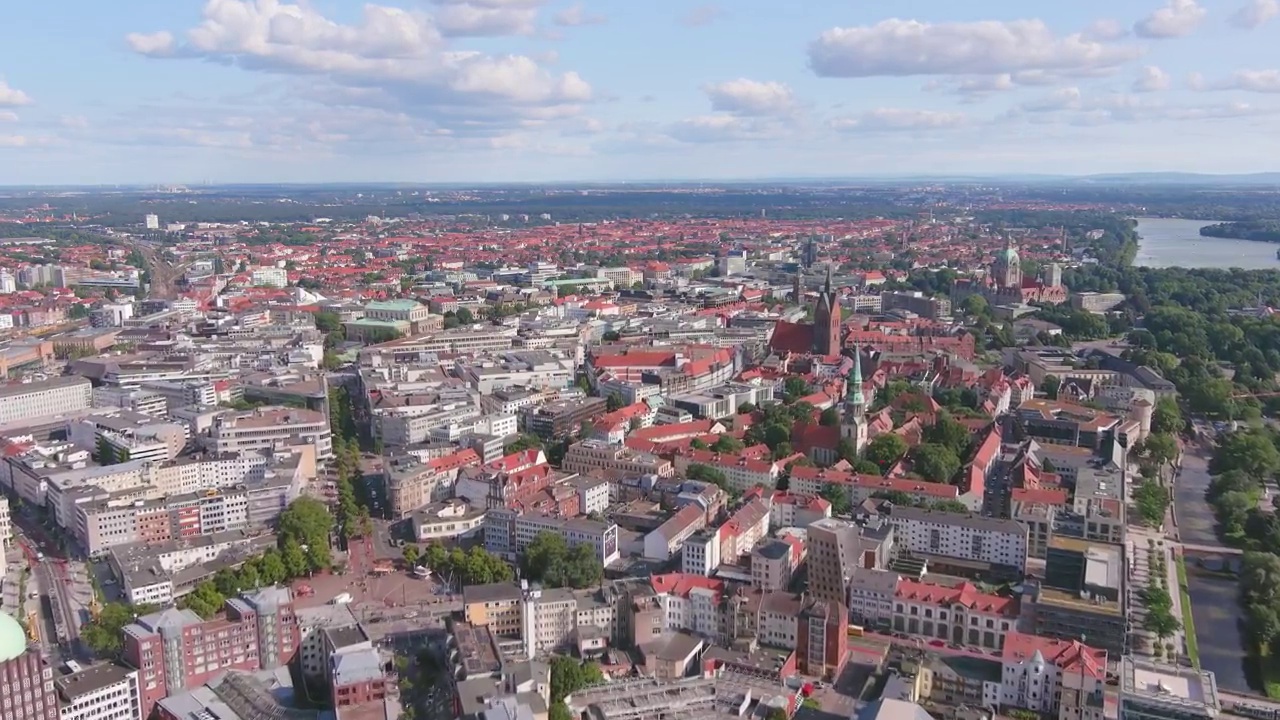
point(1259, 230)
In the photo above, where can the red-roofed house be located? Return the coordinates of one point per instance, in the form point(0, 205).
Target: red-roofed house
point(962, 615)
point(1059, 677)
point(742, 471)
point(810, 481)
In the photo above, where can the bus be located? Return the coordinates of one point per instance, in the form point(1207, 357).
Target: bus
point(856, 631)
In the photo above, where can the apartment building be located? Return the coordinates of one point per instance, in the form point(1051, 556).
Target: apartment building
point(742, 471)
point(26, 680)
point(613, 460)
point(1037, 510)
point(562, 419)
point(312, 624)
point(21, 401)
point(497, 606)
point(1065, 679)
point(700, 553)
point(173, 649)
point(837, 549)
point(102, 692)
point(939, 536)
point(871, 597)
point(744, 528)
point(773, 562)
point(271, 429)
point(667, 539)
point(145, 402)
point(412, 482)
point(811, 481)
point(792, 510)
point(1082, 593)
point(962, 615)
point(508, 532)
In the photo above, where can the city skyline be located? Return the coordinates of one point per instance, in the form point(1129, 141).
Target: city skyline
point(496, 91)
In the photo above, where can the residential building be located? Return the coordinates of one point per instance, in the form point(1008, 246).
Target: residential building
point(508, 532)
point(101, 692)
point(312, 623)
point(938, 536)
point(742, 471)
point(667, 539)
point(613, 460)
point(871, 597)
point(269, 277)
point(1065, 679)
point(450, 521)
point(700, 553)
point(836, 550)
point(497, 606)
point(20, 401)
point(773, 562)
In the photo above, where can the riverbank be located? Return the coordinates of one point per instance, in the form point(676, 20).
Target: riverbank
point(1172, 242)
point(1267, 231)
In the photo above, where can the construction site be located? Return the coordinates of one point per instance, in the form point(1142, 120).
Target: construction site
point(726, 694)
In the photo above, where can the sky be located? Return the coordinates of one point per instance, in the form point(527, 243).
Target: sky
point(458, 91)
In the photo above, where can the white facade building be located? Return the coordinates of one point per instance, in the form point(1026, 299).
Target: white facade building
point(960, 535)
point(700, 554)
point(269, 277)
point(101, 692)
point(50, 397)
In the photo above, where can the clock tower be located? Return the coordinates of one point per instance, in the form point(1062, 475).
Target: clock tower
point(853, 424)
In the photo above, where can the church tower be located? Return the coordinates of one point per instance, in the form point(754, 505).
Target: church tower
point(853, 424)
point(826, 321)
point(1008, 269)
point(797, 290)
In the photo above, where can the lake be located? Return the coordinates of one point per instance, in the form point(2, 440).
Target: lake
point(1173, 242)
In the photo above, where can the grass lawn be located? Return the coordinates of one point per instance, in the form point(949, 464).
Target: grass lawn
point(1188, 622)
point(1269, 671)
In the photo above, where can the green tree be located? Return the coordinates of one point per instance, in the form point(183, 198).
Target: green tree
point(794, 388)
point(1049, 386)
point(886, 449)
point(976, 306)
point(727, 444)
point(569, 676)
point(1159, 449)
point(411, 555)
point(306, 521)
point(526, 441)
point(950, 433)
point(838, 496)
point(706, 473)
point(935, 462)
point(560, 711)
point(102, 635)
point(613, 402)
point(1151, 501)
point(954, 506)
point(205, 600)
point(1251, 452)
point(1167, 417)
point(830, 417)
point(295, 561)
point(746, 408)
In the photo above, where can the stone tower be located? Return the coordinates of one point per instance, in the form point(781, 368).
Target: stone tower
point(826, 321)
point(853, 424)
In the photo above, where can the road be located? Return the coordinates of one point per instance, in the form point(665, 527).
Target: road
point(1196, 524)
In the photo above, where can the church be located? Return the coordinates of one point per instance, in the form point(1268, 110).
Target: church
point(820, 337)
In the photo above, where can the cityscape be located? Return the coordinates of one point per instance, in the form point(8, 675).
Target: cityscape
point(471, 360)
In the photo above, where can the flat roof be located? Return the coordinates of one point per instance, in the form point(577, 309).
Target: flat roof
point(90, 679)
point(1165, 684)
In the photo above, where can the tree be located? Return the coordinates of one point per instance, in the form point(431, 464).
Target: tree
point(954, 506)
point(1049, 386)
point(102, 635)
point(1252, 452)
point(950, 433)
point(560, 711)
point(611, 336)
point(271, 569)
point(526, 441)
point(886, 450)
point(205, 600)
point(935, 462)
point(794, 388)
point(464, 316)
point(1167, 417)
point(727, 444)
point(1159, 449)
point(1151, 501)
point(411, 555)
point(306, 521)
point(613, 402)
point(746, 408)
point(976, 306)
point(706, 473)
point(295, 562)
point(838, 496)
point(569, 676)
point(830, 417)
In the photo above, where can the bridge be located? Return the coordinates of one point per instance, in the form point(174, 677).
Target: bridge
point(1219, 550)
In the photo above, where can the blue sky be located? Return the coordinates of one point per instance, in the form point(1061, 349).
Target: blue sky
point(183, 91)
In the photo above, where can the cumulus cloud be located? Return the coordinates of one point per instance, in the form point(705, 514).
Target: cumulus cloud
point(391, 58)
point(1178, 18)
point(577, 15)
point(1259, 81)
point(12, 97)
point(1068, 98)
point(8, 116)
point(1255, 13)
point(15, 141)
point(897, 119)
point(751, 97)
point(702, 15)
point(1152, 79)
point(479, 18)
point(908, 47)
point(156, 44)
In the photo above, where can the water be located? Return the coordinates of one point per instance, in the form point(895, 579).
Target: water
point(1171, 242)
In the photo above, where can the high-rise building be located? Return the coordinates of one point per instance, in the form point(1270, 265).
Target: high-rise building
point(835, 553)
point(26, 681)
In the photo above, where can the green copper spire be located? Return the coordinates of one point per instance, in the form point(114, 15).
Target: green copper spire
point(853, 391)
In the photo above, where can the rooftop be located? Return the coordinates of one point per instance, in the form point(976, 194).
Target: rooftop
point(1167, 685)
point(91, 679)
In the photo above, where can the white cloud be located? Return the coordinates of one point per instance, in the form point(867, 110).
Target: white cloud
point(907, 47)
point(391, 59)
point(8, 116)
point(14, 141)
point(156, 44)
point(702, 15)
point(1255, 13)
point(1152, 79)
point(720, 127)
point(577, 15)
point(751, 97)
point(1104, 30)
point(1178, 18)
point(481, 18)
point(12, 97)
point(1259, 81)
point(1068, 98)
point(890, 119)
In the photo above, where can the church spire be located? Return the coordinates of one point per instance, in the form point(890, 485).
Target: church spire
point(826, 288)
point(853, 387)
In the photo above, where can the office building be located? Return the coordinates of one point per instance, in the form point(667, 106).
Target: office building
point(836, 550)
point(102, 692)
point(1081, 593)
point(151, 221)
point(269, 277)
point(20, 401)
point(271, 428)
point(993, 543)
point(1162, 692)
point(26, 681)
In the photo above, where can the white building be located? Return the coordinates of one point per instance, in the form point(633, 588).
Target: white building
point(700, 554)
point(960, 615)
point(6, 523)
point(151, 221)
point(102, 692)
point(8, 283)
point(508, 532)
point(269, 277)
point(1155, 692)
point(1062, 678)
point(961, 536)
point(50, 397)
point(272, 428)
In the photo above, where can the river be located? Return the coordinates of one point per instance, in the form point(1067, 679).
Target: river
point(1173, 242)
